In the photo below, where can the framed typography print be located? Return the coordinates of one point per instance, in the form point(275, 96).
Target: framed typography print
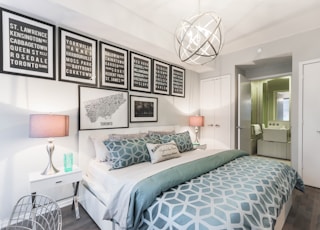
point(78, 58)
point(161, 77)
point(143, 109)
point(113, 67)
point(177, 81)
point(27, 46)
point(102, 108)
point(140, 73)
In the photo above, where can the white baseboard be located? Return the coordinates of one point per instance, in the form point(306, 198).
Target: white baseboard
point(65, 202)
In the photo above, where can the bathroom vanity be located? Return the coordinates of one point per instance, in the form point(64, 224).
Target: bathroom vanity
point(275, 140)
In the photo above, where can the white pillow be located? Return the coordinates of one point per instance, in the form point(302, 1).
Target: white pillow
point(120, 137)
point(150, 132)
point(102, 153)
point(163, 152)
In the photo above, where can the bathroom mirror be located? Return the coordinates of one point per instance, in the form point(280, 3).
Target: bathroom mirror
point(282, 105)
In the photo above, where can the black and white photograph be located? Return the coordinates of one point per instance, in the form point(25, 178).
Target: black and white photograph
point(78, 58)
point(102, 108)
point(143, 109)
point(177, 81)
point(140, 73)
point(27, 46)
point(113, 67)
point(161, 77)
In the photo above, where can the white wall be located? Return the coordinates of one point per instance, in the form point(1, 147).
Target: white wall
point(302, 47)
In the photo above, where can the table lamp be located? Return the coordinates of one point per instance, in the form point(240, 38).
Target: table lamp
point(49, 126)
point(196, 122)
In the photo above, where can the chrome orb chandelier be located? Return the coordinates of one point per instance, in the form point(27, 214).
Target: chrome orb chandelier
point(198, 40)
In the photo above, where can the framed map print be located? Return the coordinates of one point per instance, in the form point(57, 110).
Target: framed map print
point(140, 73)
point(102, 108)
point(177, 81)
point(161, 77)
point(113, 67)
point(78, 58)
point(27, 46)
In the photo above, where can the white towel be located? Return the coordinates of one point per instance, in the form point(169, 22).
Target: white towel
point(257, 129)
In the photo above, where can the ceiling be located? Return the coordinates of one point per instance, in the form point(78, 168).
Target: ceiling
point(148, 26)
point(246, 21)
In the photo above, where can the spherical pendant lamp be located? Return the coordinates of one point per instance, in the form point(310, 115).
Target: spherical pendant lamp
point(198, 40)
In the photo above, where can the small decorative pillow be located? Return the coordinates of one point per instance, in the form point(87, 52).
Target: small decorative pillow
point(128, 151)
point(102, 153)
point(182, 140)
point(163, 152)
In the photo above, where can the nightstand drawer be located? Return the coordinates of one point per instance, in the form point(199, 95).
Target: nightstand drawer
point(40, 182)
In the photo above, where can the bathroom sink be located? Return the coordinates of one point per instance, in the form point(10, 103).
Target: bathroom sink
point(278, 135)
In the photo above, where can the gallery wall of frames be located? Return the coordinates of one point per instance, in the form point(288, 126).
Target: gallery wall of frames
point(110, 72)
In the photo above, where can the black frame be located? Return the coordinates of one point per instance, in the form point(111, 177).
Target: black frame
point(177, 81)
point(82, 52)
point(145, 114)
point(140, 72)
point(103, 117)
point(33, 53)
point(113, 66)
point(161, 78)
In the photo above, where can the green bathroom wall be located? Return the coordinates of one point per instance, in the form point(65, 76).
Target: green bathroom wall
point(263, 101)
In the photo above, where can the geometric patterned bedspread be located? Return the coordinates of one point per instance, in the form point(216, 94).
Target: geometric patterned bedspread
point(246, 193)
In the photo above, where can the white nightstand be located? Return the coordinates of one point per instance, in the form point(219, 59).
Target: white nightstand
point(40, 182)
point(203, 146)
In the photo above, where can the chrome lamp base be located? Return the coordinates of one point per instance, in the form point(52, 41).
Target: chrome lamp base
point(196, 130)
point(50, 169)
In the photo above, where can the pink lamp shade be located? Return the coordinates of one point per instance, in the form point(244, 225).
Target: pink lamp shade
point(196, 121)
point(48, 125)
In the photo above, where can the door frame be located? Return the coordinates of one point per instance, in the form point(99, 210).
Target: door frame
point(239, 126)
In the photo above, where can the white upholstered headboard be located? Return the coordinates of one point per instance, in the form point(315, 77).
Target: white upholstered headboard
point(86, 149)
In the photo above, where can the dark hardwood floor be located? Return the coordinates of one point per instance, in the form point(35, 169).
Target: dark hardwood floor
point(304, 214)
point(69, 221)
point(305, 211)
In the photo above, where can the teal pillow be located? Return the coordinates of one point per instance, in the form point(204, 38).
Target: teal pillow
point(156, 135)
point(182, 140)
point(127, 152)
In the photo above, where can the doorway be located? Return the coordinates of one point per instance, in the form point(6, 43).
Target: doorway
point(267, 108)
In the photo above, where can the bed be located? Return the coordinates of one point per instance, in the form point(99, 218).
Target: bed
point(197, 189)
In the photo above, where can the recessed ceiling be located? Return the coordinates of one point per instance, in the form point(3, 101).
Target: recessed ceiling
point(148, 26)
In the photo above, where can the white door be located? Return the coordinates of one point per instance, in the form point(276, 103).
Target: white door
point(244, 113)
point(311, 124)
point(215, 107)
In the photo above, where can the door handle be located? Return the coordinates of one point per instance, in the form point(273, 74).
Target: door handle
point(216, 125)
